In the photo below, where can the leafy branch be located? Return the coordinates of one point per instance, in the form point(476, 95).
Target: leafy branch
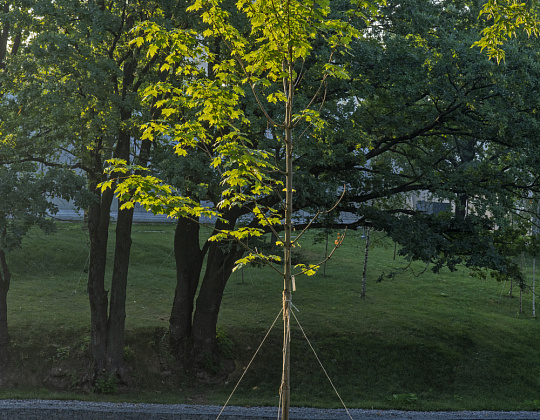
point(507, 16)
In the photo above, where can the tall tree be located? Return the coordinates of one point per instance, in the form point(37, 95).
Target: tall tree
point(196, 327)
point(11, 33)
point(443, 122)
point(25, 202)
point(267, 63)
point(77, 88)
point(421, 113)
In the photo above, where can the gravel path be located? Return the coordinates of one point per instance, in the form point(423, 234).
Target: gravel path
point(79, 410)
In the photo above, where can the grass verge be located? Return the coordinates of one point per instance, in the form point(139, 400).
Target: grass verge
point(428, 342)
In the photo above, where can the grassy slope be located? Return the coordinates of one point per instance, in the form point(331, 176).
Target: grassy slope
point(443, 341)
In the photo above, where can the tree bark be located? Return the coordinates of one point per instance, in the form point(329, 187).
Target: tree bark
point(510, 294)
point(5, 278)
point(98, 229)
point(219, 267)
point(4, 36)
point(117, 307)
point(461, 207)
point(107, 329)
point(189, 259)
point(117, 312)
point(285, 389)
point(466, 150)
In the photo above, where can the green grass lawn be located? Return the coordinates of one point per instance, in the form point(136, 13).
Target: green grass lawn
point(431, 341)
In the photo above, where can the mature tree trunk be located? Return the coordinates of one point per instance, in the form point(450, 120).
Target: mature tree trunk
point(98, 229)
point(221, 259)
point(511, 293)
point(117, 309)
point(5, 278)
point(117, 313)
point(4, 36)
point(7, 38)
point(108, 326)
point(107, 332)
point(461, 207)
point(107, 340)
point(189, 259)
point(122, 251)
point(466, 150)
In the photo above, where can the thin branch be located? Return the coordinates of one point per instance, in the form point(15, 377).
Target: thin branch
point(46, 163)
point(269, 225)
point(321, 212)
point(337, 244)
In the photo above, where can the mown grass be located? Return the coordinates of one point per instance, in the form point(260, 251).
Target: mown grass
point(444, 341)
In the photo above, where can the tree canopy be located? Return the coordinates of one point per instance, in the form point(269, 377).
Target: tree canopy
point(266, 110)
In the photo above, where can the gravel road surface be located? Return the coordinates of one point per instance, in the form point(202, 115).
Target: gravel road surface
point(79, 410)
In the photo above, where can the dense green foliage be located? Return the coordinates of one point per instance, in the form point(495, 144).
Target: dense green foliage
point(72, 95)
point(417, 112)
point(272, 113)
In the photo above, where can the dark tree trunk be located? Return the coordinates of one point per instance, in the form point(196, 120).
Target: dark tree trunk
point(221, 259)
point(466, 150)
point(107, 341)
point(117, 311)
point(461, 206)
point(5, 278)
point(98, 229)
point(4, 36)
point(5, 275)
point(189, 258)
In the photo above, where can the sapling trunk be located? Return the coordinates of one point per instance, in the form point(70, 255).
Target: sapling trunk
point(533, 288)
point(325, 255)
point(287, 278)
point(287, 284)
point(364, 272)
point(521, 299)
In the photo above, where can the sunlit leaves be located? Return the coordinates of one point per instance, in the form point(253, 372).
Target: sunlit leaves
point(256, 258)
point(307, 269)
point(267, 216)
point(239, 234)
point(505, 17)
point(245, 174)
point(151, 193)
point(284, 32)
point(200, 101)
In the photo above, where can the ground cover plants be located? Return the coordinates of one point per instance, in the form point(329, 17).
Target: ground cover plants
point(445, 341)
